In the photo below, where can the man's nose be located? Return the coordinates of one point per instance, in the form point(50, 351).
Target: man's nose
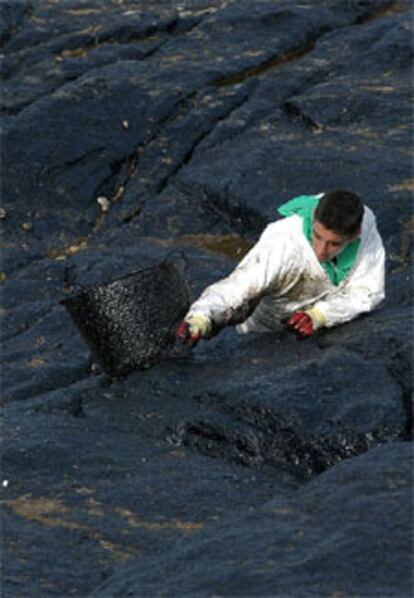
point(323, 249)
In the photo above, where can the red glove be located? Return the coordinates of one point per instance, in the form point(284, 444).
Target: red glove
point(302, 324)
point(183, 334)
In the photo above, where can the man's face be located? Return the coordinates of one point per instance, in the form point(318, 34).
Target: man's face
point(327, 244)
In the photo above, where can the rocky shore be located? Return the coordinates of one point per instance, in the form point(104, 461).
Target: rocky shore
point(256, 465)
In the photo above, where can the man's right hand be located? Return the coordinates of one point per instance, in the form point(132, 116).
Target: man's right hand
point(193, 328)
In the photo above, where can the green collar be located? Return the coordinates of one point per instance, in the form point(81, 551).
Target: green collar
point(304, 206)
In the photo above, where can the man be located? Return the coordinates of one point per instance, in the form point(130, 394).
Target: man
point(320, 266)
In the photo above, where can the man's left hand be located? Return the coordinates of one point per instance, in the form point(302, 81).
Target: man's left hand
point(302, 324)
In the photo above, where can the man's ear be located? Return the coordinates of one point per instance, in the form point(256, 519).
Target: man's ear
point(355, 236)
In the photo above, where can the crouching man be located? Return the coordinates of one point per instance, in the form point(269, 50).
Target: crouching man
point(319, 266)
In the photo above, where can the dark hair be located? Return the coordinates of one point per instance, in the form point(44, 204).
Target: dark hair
point(341, 212)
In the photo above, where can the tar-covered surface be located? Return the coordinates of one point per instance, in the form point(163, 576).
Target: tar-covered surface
point(254, 465)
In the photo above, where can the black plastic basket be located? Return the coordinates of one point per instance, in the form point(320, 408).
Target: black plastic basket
point(129, 323)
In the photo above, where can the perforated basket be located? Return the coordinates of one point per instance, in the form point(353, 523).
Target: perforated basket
point(129, 323)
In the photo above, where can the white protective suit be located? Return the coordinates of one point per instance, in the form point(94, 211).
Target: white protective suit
point(282, 275)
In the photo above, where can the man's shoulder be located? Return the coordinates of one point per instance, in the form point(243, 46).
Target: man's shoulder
point(286, 229)
point(371, 241)
point(369, 223)
point(286, 224)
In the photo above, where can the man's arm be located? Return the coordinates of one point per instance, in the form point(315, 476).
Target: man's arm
point(361, 292)
point(232, 299)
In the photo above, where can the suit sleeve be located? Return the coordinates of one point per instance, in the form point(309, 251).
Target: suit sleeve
point(362, 291)
point(232, 299)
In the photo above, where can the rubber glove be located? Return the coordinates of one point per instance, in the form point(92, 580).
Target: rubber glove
point(193, 328)
point(304, 323)
point(301, 323)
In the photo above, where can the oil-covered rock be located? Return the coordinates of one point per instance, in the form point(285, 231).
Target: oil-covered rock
point(255, 464)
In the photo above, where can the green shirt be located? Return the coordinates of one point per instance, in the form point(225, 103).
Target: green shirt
point(304, 206)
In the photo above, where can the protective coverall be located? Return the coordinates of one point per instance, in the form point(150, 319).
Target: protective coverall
point(281, 275)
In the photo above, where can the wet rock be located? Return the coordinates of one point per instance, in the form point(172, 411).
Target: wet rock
point(319, 541)
point(94, 475)
point(12, 14)
point(299, 140)
point(298, 416)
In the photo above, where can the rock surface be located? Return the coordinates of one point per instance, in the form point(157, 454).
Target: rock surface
point(255, 465)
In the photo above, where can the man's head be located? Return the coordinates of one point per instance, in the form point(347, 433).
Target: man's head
point(336, 222)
